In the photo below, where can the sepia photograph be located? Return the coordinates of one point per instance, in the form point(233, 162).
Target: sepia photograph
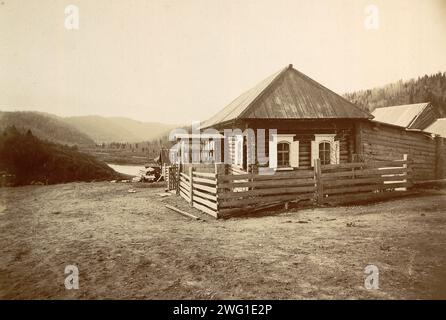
point(239, 150)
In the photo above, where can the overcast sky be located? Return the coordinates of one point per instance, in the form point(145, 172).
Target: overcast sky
point(181, 60)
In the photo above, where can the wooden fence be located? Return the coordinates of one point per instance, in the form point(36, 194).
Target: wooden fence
point(200, 190)
point(222, 195)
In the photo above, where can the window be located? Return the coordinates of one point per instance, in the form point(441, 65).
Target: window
point(283, 154)
point(324, 152)
point(325, 148)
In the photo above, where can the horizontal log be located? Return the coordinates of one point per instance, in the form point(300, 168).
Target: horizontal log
point(412, 136)
point(228, 196)
point(428, 145)
point(397, 151)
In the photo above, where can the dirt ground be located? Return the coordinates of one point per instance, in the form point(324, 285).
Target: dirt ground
point(129, 246)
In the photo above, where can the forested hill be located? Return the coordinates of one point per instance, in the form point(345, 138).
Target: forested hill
point(427, 88)
point(25, 159)
point(44, 126)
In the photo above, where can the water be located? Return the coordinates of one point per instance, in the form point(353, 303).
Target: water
point(126, 169)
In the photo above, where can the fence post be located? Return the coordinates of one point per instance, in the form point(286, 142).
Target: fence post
point(318, 180)
point(191, 186)
point(220, 169)
point(439, 157)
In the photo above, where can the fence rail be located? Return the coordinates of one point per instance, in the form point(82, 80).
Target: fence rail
point(221, 195)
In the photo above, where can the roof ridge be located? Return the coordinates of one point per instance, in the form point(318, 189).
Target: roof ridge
point(426, 104)
point(248, 107)
point(325, 88)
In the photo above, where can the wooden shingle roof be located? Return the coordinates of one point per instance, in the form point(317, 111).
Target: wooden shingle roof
point(403, 115)
point(438, 127)
point(288, 94)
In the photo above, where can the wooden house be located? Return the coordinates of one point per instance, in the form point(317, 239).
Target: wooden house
point(311, 122)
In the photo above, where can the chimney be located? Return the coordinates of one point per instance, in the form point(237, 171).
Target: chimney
point(290, 66)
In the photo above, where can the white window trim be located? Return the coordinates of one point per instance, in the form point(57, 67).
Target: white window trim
point(334, 147)
point(283, 138)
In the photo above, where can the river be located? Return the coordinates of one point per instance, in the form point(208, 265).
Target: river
point(126, 169)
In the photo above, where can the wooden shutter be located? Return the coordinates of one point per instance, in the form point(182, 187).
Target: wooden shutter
point(334, 152)
point(272, 154)
point(314, 152)
point(294, 154)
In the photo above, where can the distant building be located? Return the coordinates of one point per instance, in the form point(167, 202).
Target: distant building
point(438, 127)
point(410, 116)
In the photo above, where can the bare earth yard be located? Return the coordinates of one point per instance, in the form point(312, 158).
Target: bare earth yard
point(128, 245)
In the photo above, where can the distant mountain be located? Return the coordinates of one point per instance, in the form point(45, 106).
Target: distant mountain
point(116, 129)
point(424, 89)
point(44, 126)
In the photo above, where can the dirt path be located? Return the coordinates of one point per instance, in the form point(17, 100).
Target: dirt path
point(128, 245)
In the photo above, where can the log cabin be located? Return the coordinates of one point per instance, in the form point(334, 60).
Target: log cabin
point(311, 122)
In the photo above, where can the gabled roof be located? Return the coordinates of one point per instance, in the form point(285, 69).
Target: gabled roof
point(288, 94)
point(438, 127)
point(403, 116)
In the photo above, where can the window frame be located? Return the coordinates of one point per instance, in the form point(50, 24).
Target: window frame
point(283, 152)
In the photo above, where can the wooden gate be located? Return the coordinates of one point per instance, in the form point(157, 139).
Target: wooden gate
point(171, 174)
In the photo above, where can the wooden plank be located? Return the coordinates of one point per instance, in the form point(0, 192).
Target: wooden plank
point(184, 181)
point(337, 183)
point(276, 176)
point(205, 202)
point(184, 213)
point(372, 187)
point(184, 196)
point(191, 185)
point(212, 190)
point(205, 174)
point(256, 192)
point(368, 164)
point(364, 172)
point(208, 196)
point(365, 197)
point(205, 209)
point(185, 176)
point(267, 183)
point(207, 181)
point(264, 199)
point(185, 189)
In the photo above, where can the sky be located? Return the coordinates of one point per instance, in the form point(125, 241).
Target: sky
point(177, 61)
